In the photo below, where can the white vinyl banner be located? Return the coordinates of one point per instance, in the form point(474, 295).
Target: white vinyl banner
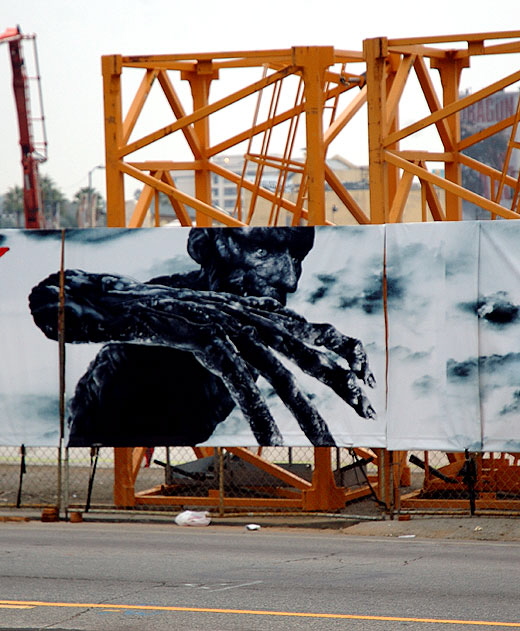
point(29, 374)
point(265, 336)
point(432, 280)
point(498, 308)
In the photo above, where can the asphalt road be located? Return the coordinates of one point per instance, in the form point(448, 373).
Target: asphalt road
point(149, 576)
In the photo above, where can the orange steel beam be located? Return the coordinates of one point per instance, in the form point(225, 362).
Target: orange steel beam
point(449, 186)
point(136, 107)
point(269, 467)
point(179, 112)
point(321, 494)
point(313, 62)
point(345, 116)
point(115, 190)
point(376, 53)
point(395, 81)
point(324, 494)
point(169, 190)
point(450, 70)
point(126, 468)
point(432, 100)
point(442, 113)
point(345, 197)
point(200, 81)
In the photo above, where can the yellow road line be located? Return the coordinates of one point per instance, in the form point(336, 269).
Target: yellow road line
point(256, 612)
point(16, 606)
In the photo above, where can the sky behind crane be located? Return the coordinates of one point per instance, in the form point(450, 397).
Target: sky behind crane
point(72, 37)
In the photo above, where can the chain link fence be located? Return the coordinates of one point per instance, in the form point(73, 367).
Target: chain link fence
point(83, 478)
point(29, 476)
point(430, 482)
point(462, 483)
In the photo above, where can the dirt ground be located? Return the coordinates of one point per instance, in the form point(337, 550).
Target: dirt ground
point(476, 528)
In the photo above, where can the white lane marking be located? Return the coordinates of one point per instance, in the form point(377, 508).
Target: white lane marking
point(221, 587)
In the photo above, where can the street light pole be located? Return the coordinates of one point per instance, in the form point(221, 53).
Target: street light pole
point(90, 206)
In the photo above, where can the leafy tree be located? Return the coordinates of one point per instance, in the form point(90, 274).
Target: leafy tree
point(12, 208)
point(68, 218)
point(55, 207)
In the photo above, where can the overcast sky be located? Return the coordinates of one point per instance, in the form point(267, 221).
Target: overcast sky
point(72, 36)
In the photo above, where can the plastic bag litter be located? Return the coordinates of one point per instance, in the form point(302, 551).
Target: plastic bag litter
point(193, 518)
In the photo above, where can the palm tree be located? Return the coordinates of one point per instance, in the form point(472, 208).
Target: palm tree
point(53, 201)
point(54, 205)
point(90, 205)
point(12, 208)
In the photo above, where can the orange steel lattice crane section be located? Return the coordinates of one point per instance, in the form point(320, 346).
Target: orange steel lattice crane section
point(390, 66)
point(303, 98)
point(287, 97)
point(33, 151)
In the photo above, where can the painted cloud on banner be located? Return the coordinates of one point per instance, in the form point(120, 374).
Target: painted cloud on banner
point(432, 269)
point(499, 357)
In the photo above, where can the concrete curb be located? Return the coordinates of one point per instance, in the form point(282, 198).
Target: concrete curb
point(476, 528)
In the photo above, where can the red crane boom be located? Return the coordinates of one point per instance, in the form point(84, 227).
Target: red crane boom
point(30, 156)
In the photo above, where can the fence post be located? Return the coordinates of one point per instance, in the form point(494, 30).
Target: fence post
point(220, 454)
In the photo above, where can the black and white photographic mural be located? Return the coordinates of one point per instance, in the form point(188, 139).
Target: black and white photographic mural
point(498, 308)
point(29, 375)
point(454, 336)
point(220, 336)
point(432, 279)
point(270, 336)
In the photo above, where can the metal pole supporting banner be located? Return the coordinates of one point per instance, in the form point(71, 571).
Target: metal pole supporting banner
point(61, 368)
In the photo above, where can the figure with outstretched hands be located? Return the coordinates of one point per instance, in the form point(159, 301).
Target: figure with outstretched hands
point(181, 351)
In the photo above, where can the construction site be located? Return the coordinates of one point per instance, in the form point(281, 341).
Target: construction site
point(454, 158)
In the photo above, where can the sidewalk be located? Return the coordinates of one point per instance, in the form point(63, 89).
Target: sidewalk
point(476, 528)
